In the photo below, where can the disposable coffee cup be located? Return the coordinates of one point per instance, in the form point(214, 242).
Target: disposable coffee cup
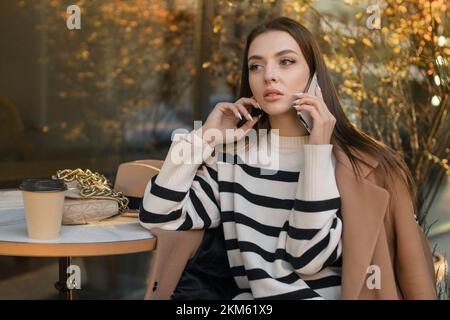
point(43, 200)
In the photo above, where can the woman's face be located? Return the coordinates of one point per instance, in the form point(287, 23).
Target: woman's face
point(275, 61)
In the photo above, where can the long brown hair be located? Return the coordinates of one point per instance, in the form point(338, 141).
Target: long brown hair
point(345, 134)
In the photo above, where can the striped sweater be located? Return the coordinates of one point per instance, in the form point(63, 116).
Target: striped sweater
point(281, 218)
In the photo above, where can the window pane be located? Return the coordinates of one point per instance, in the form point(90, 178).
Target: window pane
point(92, 98)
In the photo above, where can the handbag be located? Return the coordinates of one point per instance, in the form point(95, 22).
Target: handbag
point(89, 197)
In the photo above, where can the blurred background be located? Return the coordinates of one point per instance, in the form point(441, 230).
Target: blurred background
point(115, 90)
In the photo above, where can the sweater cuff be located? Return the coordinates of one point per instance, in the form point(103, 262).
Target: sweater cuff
point(318, 180)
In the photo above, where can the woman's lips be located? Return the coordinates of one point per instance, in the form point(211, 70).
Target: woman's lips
point(273, 97)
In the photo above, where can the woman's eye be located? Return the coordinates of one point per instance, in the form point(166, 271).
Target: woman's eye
point(287, 60)
point(283, 62)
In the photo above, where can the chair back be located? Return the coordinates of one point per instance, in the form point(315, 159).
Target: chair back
point(133, 177)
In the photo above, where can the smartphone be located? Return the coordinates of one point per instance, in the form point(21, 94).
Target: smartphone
point(305, 117)
point(254, 112)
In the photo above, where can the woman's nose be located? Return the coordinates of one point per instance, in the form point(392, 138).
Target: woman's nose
point(270, 74)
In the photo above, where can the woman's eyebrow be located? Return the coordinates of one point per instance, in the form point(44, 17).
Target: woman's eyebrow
point(280, 53)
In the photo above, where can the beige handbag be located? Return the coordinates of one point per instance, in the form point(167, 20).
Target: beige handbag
point(89, 197)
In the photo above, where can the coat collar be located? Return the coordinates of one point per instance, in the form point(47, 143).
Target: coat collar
point(363, 207)
point(367, 163)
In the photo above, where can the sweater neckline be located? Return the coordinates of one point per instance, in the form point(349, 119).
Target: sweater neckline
point(287, 142)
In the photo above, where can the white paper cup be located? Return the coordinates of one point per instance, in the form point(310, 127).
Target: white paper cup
point(44, 204)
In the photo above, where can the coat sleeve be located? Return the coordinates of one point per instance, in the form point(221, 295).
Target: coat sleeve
point(414, 264)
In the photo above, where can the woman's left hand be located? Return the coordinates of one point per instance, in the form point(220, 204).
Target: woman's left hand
point(323, 120)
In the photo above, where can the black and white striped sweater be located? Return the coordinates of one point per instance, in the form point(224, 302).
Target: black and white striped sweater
point(281, 219)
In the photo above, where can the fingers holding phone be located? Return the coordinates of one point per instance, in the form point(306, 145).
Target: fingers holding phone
point(228, 115)
point(323, 119)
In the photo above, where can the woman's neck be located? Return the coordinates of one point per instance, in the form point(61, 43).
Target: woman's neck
point(288, 125)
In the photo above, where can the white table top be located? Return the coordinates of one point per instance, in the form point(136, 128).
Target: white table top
point(13, 227)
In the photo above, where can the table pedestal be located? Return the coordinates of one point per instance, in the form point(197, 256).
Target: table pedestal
point(65, 293)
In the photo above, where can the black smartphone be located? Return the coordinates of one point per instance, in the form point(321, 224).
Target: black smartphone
point(254, 112)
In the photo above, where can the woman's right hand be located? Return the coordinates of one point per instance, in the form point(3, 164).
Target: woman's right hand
point(226, 115)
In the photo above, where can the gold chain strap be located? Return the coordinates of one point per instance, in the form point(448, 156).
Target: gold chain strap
point(93, 184)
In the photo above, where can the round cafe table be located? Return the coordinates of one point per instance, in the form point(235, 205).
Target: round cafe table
point(118, 235)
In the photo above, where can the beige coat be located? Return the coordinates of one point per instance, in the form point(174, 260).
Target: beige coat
point(379, 230)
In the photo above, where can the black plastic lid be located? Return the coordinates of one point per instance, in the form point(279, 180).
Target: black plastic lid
point(43, 185)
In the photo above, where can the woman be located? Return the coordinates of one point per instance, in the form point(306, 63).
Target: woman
point(330, 216)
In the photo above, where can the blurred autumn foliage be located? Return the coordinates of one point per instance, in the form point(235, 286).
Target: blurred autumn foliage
point(135, 55)
point(393, 81)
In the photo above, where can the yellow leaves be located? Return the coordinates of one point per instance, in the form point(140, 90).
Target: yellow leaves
point(402, 9)
point(217, 24)
point(327, 38)
point(347, 83)
point(84, 54)
point(347, 73)
point(358, 95)
point(358, 15)
point(101, 84)
point(145, 14)
point(147, 30)
point(128, 81)
point(162, 66)
point(299, 7)
point(393, 40)
point(162, 13)
point(157, 41)
point(367, 42)
point(107, 8)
